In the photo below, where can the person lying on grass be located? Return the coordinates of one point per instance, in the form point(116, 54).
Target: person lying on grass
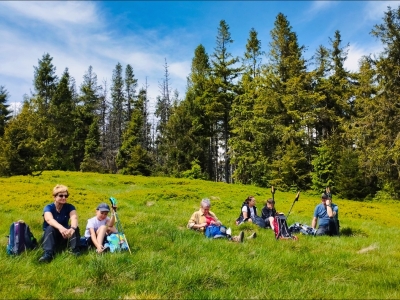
point(204, 218)
point(268, 213)
point(99, 226)
point(57, 233)
point(326, 214)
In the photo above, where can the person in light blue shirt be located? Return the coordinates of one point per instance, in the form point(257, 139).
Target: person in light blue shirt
point(326, 215)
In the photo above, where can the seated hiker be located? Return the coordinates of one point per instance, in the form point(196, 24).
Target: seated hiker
point(204, 218)
point(248, 213)
point(326, 214)
point(99, 226)
point(268, 213)
point(57, 232)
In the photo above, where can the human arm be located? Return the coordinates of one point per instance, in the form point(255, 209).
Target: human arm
point(314, 222)
point(48, 217)
point(329, 209)
point(73, 216)
point(194, 222)
point(111, 221)
point(246, 214)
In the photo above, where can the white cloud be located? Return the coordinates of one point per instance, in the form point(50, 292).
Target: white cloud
point(374, 10)
point(357, 52)
point(74, 45)
point(55, 13)
point(318, 6)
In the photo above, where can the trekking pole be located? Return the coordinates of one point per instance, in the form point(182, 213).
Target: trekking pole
point(295, 199)
point(273, 193)
point(328, 192)
point(119, 225)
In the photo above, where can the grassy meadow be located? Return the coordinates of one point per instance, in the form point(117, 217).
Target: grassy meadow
point(170, 261)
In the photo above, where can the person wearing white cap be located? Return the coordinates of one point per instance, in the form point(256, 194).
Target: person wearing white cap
point(99, 226)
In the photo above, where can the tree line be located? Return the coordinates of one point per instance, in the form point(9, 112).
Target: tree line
point(291, 122)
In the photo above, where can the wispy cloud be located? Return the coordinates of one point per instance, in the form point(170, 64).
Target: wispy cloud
point(374, 10)
point(317, 7)
point(77, 35)
point(56, 13)
point(356, 52)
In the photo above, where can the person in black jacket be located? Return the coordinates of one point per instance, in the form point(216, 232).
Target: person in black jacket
point(269, 212)
point(248, 210)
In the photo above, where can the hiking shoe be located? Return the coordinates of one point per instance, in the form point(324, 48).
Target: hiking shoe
point(253, 236)
point(76, 252)
point(46, 257)
point(239, 238)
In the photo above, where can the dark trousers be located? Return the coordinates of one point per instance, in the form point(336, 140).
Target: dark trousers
point(331, 229)
point(54, 241)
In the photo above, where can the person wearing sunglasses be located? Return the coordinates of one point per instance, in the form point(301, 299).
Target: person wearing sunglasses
point(60, 225)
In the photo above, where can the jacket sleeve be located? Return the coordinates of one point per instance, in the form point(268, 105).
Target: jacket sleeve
point(194, 219)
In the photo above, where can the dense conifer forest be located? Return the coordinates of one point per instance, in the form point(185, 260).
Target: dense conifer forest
point(269, 117)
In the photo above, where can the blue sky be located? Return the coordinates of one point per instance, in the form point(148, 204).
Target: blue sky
point(78, 34)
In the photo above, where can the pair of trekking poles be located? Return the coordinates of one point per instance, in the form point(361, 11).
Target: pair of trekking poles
point(118, 222)
point(327, 192)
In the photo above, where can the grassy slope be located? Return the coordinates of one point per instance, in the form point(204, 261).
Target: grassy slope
point(169, 261)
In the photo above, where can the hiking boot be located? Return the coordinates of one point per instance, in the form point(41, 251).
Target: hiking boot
point(253, 236)
point(239, 238)
point(76, 252)
point(46, 257)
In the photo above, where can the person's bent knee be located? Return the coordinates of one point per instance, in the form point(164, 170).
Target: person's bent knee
point(50, 229)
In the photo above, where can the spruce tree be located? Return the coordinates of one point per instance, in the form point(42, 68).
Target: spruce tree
point(133, 158)
point(44, 82)
point(224, 73)
point(130, 90)
point(61, 126)
point(243, 148)
point(5, 113)
point(283, 110)
point(117, 113)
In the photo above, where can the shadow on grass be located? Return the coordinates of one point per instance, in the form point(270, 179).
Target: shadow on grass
point(347, 231)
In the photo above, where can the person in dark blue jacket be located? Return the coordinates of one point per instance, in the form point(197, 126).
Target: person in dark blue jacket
point(58, 233)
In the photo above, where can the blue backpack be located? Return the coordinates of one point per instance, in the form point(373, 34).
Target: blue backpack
point(20, 238)
point(117, 242)
point(214, 231)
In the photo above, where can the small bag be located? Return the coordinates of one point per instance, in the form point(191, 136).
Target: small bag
point(214, 231)
point(116, 242)
point(20, 238)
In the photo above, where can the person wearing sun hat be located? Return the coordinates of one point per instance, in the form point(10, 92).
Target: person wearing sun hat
point(58, 233)
point(326, 215)
point(99, 226)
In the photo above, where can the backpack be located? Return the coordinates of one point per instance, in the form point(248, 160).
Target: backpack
point(20, 238)
point(214, 231)
point(281, 229)
point(117, 242)
point(303, 229)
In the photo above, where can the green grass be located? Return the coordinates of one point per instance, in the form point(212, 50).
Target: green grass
point(169, 261)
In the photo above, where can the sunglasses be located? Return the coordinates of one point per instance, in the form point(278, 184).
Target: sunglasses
point(63, 196)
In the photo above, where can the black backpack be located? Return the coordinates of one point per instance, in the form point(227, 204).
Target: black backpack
point(281, 229)
point(20, 238)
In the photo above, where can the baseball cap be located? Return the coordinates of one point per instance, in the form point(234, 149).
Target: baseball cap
point(324, 196)
point(103, 207)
